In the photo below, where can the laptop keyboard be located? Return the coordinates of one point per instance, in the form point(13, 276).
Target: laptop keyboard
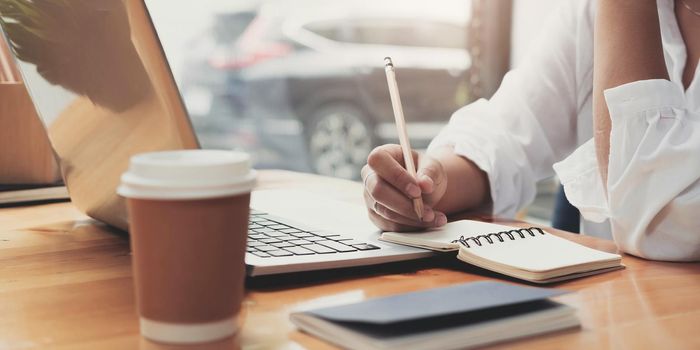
point(269, 237)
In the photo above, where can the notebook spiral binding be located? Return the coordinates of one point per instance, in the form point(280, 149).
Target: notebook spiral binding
point(523, 232)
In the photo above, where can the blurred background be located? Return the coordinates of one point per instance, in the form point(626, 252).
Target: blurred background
point(300, 85)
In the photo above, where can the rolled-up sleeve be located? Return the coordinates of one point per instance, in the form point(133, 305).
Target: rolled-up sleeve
point(653, 200)
point(529, 123)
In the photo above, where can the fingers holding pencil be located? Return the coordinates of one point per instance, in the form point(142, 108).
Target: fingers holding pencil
point(389, 190)
point(386, 162)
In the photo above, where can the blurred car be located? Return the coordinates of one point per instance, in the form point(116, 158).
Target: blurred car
point(205, 90)
point(203, 87)
point(309, 75)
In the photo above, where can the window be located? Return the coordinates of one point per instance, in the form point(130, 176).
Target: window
point(228, 27)
point(398, 32)
point(300, 84)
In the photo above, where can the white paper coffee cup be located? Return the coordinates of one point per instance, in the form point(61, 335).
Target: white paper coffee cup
point(188, 213)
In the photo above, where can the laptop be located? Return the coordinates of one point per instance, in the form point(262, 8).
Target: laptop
point(104, 91)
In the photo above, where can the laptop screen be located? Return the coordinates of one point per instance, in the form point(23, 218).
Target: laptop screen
point(76, 50)
point(99, 80)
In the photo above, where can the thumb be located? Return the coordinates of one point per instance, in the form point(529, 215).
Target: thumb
point(430, 174)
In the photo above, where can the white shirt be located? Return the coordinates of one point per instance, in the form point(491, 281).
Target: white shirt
point(541, 115)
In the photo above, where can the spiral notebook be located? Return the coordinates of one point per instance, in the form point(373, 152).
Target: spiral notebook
point(529, 254)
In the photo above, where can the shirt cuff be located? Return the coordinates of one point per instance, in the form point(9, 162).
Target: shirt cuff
point(634, 109)
point(473, 136)
point(583, 186)
point(579, 173)
point(653, 170)
point(631, 99)
point(476, 155)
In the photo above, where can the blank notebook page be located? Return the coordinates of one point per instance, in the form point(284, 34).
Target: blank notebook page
point(539, 253)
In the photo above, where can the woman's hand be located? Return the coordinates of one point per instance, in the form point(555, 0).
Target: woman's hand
point(389, 190)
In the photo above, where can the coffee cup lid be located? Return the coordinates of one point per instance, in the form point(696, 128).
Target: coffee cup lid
point(187, 174)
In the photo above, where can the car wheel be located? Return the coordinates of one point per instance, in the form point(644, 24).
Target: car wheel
point(339, 139)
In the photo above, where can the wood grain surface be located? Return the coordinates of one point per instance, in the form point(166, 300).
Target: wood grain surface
point(66, 283)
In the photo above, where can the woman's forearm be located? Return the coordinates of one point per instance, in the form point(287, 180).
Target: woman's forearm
point(627, 48)
point(467, 185)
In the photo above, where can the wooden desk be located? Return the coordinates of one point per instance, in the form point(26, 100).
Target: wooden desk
point(65, 283)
